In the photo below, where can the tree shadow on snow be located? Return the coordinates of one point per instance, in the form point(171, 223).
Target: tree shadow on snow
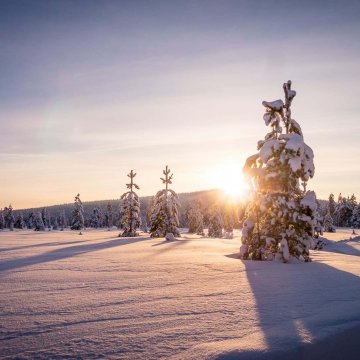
point(343, 246)
point(295, 301)
point(67, 252)
point(42, 244)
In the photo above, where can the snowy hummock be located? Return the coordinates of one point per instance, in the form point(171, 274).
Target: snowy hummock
point(97, 295)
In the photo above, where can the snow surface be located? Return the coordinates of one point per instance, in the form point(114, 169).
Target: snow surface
point(97, 295)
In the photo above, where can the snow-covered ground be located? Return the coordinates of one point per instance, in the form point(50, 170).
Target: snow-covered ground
point(97, 295)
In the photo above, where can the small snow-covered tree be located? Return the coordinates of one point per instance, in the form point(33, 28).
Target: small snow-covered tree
point(77, 219)
point(331, 205)
point(280, 218)
point(38, 222)
point(230, 219)
point(329, 222)
point(95, 220)
point(19, 222)
point(164, 219)
point(196, 220)
point(343, 212)
point(109, 216)
point(130, 218)
point(2, 220)
point(355, 218)
point(62, 220)
point(9, 217)
point(215, 223)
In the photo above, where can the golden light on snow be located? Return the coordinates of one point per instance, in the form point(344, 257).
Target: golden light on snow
point(229, 178)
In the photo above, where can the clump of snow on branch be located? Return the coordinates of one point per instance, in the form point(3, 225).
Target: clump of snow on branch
point(281, 217)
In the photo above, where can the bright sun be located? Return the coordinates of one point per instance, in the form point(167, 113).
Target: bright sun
point(230, 179)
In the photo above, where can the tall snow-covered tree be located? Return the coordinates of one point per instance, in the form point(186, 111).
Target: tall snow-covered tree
point(30, 221)
point(130, 218)
point(196, 220)
point(44, 216)
point(280, 219)
point(77, 219)
point(38, 222)
point(215, 223)
point(164, 219)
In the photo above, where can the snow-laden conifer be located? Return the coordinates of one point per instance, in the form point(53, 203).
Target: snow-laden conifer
point(19, 222)
point(164, 219)
point(130, 218)
point(109, 216)
point(280, 218)
point(343, 212)
point(77, 215)
point(9, 217)
point(96, 216)
point(355, 218)
point(329, 222)
point(215, 223)
point(2, 220)
point(38, 222)
point(331, 205)
point(196, 220)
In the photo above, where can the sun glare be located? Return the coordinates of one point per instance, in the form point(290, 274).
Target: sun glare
point(229, 178)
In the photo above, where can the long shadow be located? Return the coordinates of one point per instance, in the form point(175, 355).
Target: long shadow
point(42, 244)
point(66, 252)
point(343, 246)
point(289, 298)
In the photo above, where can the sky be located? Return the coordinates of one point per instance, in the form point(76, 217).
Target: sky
point(92, 89)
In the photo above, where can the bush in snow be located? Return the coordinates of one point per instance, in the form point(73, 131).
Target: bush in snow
point(164, 212)
point(328, 222)
point(38, 222)
point(77, 215)
point(215, 223)
point(280, 218)
point(130, 219)
point(196, 220)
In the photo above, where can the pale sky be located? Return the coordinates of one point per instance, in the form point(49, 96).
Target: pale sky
point(92, 89)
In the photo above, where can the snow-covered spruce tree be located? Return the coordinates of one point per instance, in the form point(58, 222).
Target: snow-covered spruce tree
point(343, 212)
point(329, 222)
point(130, 218)
point(30, 221)
point(62, 220)
point(77, 215)
point(230, 219)
point(9, 217)
point(95, 220)
point(196, 220)
point(215, 223)
point(19, 222)
point(38, 222)
point(355, 218)
point(164, 219)
point(280, 218)
point(331, 205)
point(2, 220)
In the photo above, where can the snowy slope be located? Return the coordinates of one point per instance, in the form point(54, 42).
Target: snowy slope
point(97, 295)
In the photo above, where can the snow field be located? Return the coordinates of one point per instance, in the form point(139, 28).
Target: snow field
point(98, 295)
